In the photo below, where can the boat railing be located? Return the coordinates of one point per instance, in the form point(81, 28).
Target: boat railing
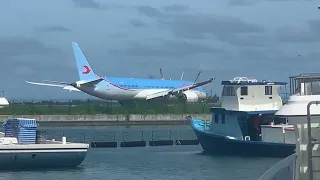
point(305, 84)
point(243, 79)
point(311, 162)
point(282, 170)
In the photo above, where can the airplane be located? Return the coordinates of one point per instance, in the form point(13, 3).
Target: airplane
point(127, 89)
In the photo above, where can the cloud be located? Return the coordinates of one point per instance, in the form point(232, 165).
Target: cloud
point(243, 2)
point(90, 4)
point(118, 35)
point(166, 49)
point(18, 46)
point(287, 0)
point(150, 12)
point(176, 8)
point(296, 35)
point(23, 71)
point(137, 23)
point(215, 25)
point(261, 59)
point(269, 60)
point(53, 28)
point(22, 56)
point(314, 26)
point(199, 26)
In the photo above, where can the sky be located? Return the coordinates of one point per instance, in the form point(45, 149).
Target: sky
point(261, 39)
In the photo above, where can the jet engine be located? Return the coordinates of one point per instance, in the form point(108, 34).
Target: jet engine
point(189, 96)
point(77, 84)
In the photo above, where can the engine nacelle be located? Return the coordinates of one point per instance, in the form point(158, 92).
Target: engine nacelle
point(77, 84)
point(190, 96)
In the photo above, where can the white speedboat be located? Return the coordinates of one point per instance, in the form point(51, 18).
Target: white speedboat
point(22, 148)
point(302, 111)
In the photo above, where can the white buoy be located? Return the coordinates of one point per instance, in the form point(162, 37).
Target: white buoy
point(64, 140)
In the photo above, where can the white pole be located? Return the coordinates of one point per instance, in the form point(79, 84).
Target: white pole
point(64, 140)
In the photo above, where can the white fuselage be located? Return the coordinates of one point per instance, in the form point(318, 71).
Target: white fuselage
point(112, 93)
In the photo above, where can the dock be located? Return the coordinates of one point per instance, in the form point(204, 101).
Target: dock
point(108, 119)
point(128, 139)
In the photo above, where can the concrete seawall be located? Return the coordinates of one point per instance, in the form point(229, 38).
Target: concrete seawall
point(103, 119)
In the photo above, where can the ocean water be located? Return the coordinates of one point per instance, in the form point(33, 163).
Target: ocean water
point(156, 163)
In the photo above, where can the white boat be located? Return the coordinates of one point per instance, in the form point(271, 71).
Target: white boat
point(3, 101)
point(20, 148)
point(303, 104)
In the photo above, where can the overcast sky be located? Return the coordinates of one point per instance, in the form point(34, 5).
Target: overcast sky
point(222, 38)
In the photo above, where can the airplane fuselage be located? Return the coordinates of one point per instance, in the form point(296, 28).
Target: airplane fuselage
point(113, 88)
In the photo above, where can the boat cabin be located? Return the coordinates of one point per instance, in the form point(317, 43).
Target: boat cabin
point(303, 89)
point(246, 105)
point(243, 94)
point(305, 84)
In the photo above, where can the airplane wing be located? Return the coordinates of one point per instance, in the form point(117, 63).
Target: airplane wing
point(177, 90)
point(64, 85)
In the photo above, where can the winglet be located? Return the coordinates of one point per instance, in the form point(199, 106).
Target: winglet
point(204, 82)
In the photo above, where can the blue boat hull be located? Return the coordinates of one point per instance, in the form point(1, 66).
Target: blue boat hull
point(217, 144)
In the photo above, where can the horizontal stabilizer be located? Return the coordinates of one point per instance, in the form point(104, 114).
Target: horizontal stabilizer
point(56, 84)
point(92, 83)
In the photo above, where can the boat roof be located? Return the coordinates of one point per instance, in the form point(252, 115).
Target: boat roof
point(306, 76)
point(253, 83)
point(223, 110)
point(21, 122)
point(246, 81)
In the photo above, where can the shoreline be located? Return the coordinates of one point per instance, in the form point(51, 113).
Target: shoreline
point(109, 120)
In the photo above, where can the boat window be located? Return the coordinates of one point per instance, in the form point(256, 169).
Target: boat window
point(228, 91)
point(305, 86)
point(312, 88)
point(268, 90)
point(244, 91)
point(216, 118)
point(223, 118)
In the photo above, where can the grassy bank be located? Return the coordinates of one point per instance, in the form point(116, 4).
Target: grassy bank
point(102, 107)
